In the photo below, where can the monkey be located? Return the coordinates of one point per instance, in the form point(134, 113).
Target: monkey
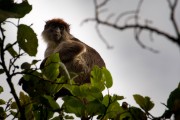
point(77, 56)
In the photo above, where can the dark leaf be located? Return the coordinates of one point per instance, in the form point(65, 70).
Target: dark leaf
point(27, 39)
point(1, 89)
point(9, 9)
point(2, 113)
point(2, 102)
point(56, 118)
point(95, 108)
point(35, 61)
point(53, 104)
point(14, 105)
point(25, 65)
point(173, 102)
point(73, 105)
point(2, 71)
point(144, 102)
point(137, 113)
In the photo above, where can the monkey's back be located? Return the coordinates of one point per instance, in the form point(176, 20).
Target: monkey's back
point(83, 64)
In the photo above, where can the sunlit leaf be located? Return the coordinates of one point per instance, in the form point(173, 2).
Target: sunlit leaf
point(106, 100)
point(51, 68)
point(9, 9)
point(96, 78)
point(113, 110)
point(27, 39)
point(10, 49)
point(96, 74)
point(107, 77)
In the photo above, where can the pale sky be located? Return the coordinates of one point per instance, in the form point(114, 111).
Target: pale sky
point(134, 70)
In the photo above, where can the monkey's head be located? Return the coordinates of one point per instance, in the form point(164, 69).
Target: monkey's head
point(55, 30)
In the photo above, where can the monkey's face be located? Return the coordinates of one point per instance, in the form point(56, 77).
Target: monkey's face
point(53, 32)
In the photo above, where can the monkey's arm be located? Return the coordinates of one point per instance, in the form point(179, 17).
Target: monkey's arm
point(69, 50)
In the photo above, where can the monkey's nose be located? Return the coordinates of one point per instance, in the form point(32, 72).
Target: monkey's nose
point(57, 30)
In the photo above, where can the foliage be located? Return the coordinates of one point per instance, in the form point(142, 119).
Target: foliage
point(86, 101)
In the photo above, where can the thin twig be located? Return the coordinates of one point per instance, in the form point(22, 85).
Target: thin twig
point(136, 25)
point(9, 78)
point(172, 16)
point(102, 38)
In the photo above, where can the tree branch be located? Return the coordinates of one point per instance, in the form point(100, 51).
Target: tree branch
point(9, 78)
point(137, 26)
point(172, 16)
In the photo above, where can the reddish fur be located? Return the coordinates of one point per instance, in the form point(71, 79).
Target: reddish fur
point(59, 21)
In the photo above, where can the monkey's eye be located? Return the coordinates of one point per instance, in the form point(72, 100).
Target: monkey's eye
point(61, 27)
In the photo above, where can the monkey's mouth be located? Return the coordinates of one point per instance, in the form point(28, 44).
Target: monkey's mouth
point(57, 37)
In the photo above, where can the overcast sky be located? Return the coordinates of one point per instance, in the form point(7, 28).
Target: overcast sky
point(134, 70)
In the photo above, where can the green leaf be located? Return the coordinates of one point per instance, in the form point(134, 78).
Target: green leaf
point(95, 108)
point(24, 98)
point(107, 77)
point(51, 68)
point(53, 104)
point(113, 110)
point(67, 117)
point(73, 105)
point(14, 105)
point(2, 113)
point(27, 39)
point(106, 100)
point(96, 78)
point(137, 113)
point(54, 88)
point(14, 113)
point(1, 89)
point(35, 61)
point(10, 49)
point(9, 9)
point(96, 74)
point(144, 102)
point(2, 71)
point(2, 102)
point(25, 65)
